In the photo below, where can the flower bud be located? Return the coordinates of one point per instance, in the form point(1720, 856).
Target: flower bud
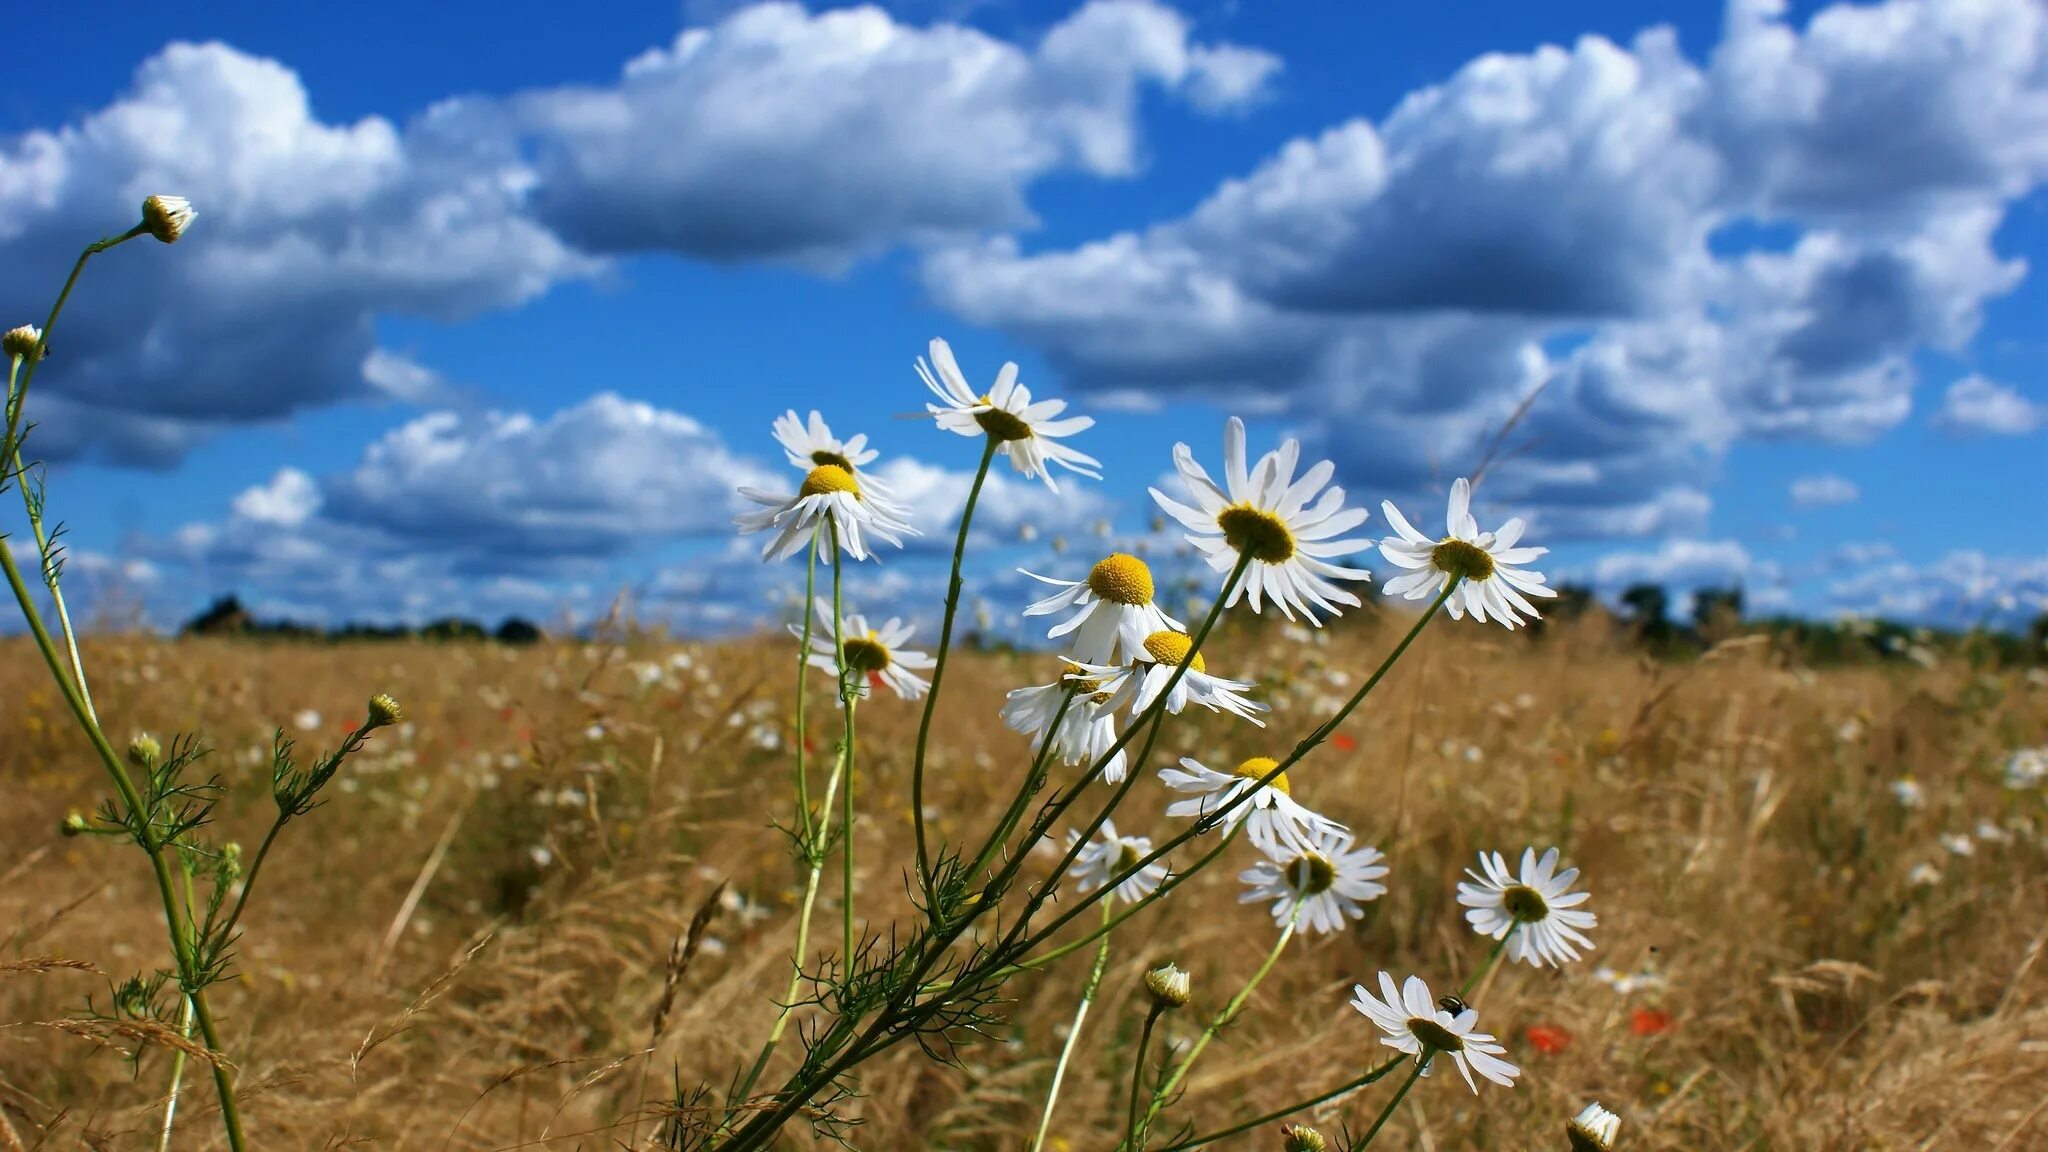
point(20, 343)
point(74, 825)
point(231, 861)
point(167, 217)
point(1302, 1138)
point(1169, 987)
point(384, 712)
point(1593, 1129)
point(144, 750)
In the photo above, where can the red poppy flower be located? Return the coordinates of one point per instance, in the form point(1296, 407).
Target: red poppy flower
point(1548, 1039)
point(1649, 1021)
point(1344, 743)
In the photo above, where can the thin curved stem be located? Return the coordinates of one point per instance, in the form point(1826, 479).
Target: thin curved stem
point(1059, 1070)
point(1371, 1077)
point(931, 699)
point(1138, 1075)
point(1222, 1020)
point(849, 696)
point(1387, 1113)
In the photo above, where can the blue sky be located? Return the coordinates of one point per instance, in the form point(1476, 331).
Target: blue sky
point(488, 308)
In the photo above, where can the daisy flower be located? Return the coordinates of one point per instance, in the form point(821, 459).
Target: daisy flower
point(1317, 887)
point(1538, 907)
point(808, 445)
point(875, 655)
point(1272, 817)
point(1025, 432)
point(1492, 583)
point(1593, 1129)
point(1114, 608)
point(1279, 521)
point(1411, 1022)
point(1086, 731)
point(1109, 856)
point(828, 492)
point(1137, 684)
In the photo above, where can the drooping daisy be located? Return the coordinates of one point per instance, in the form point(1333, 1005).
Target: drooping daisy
point(1411, 1022)
point(1272, 818)
point(1281, 522)
point(1115, 608)
point(1492, 584)
point(810, 445)
point(832, 493)
point(1593, 1129)
point(1137, 684)
point(1317, 887)
point(1538, 907)
point(1109, 856)
point(875, 655)
point(1027, 433)
point(1086, 731)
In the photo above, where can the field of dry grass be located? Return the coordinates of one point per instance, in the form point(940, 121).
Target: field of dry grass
point(1813, 987)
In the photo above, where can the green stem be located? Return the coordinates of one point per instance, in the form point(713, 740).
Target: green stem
point(1222, 1020)
point(181, 944)
point(849, 695)
point(803, 676)
point(163, 1143)
point(1033, 780)
point(1387, 1113)
point(1138, 1075)
point(931, 699)
point(1059, 1070)
point(1493, 957)
point(33, 505)
point(1371, 1077)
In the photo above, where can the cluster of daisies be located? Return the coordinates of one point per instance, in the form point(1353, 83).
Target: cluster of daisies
point(1281, 533)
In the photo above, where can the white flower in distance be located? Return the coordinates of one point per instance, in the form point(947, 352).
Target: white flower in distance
point(1271, 816)
point(830, 499)
point(1108, 856)
point(1114, 605)
point(1318, 887)
point(1087, 729)
point(1027, 433)
point(1491, 585)
point(1410, 1021)
point(875, 655)
point(811, 444)
point(1538, 907)
point(167, 217)
point(1137, 684)
point(1287, 526)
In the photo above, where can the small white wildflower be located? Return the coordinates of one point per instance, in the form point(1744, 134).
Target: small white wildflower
point(1273, 819)
point(1288, 527)
point(1958, 844)
point(1413, 1022)
point(1493, 582)
point(1593, 1129)
point(1538, 907)
point(1027, 433)
point(1909, 793)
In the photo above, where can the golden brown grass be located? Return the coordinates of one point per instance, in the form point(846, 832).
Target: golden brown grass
point(1733, 818)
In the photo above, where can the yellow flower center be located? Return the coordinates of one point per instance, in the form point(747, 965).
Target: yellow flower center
point(1171, 649)
point(1121, 579)
point(1462, 558)
point(1000, 425)
point(829, 478)
point(1127, 857)
point(866, 654)
point(834, 459)
point(1525, 904)
point(1256, 533)
point(1256, 769)
point(1435, 1035)
point(1310, 873)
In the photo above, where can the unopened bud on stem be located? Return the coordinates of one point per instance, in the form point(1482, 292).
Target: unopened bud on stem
point(384, 712)
point(1169, 987)
point(144, 750)
point(167, 217)
point(1302, 1138)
